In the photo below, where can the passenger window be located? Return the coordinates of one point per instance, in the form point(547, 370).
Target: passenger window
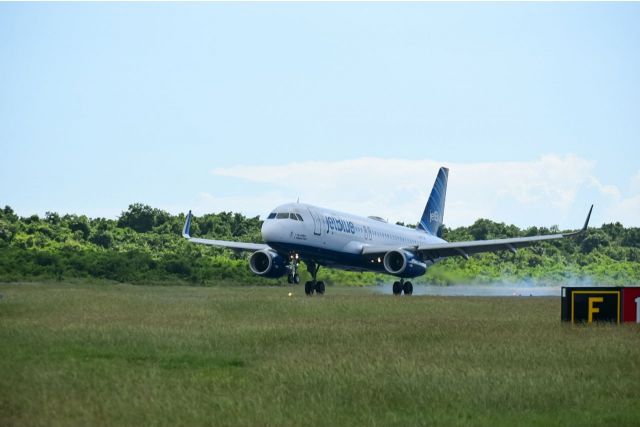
point(271, 215)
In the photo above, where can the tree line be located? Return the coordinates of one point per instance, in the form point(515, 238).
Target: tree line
point(144, 245)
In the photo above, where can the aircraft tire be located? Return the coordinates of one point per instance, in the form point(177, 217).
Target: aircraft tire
point(397, 288)
point(320, 288)
point(407, 288)
point(290, 278)
point(308, 288)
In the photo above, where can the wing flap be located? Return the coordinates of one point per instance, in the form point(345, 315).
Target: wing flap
point(238, 246)
point(464, 249)
point(443, 250)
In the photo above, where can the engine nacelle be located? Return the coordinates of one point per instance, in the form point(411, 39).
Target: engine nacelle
point(267, 263)
point(403, 264)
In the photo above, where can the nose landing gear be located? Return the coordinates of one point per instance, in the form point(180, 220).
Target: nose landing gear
point(402, 286)
point(293, 277)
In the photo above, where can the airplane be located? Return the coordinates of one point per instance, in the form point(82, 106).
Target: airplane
point(299, 232)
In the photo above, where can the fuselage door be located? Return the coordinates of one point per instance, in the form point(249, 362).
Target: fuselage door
point(317, 222)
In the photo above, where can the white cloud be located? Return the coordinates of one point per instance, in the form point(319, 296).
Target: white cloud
point(626, 209)
point(539, 192)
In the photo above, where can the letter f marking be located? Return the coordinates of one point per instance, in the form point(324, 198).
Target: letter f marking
point(592, 309)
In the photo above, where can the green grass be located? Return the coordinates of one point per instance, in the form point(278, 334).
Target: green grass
point(78, 354)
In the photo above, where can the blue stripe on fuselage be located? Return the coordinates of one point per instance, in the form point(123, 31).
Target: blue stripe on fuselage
point(327, 257)
point(334, 259)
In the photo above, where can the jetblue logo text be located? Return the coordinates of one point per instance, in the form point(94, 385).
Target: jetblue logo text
point(340, 225)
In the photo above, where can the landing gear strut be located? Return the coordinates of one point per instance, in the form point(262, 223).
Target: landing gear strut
point(313, 285)
point(402, 286)
point(293, 277)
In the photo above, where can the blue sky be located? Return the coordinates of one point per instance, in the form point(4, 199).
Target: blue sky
point(220, 106)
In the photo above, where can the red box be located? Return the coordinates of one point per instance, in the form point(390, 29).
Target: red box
point(631, 305)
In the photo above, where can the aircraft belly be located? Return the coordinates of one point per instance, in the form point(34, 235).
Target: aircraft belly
point(328, 257)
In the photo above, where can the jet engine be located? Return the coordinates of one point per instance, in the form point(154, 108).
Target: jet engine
point(403, 264)
point(267, 263)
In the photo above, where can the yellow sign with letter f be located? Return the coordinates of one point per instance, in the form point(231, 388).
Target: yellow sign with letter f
point(592, 309)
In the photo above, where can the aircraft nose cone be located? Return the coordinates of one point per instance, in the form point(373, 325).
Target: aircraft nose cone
point(269, 231)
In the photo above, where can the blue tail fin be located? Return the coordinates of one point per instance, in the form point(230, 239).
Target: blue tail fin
point(432, 216)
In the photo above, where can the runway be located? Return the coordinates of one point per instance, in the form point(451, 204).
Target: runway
point(497, 290)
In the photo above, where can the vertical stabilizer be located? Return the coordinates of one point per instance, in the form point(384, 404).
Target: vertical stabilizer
point(434, 210)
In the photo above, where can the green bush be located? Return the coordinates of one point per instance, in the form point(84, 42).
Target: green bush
point(144, 245)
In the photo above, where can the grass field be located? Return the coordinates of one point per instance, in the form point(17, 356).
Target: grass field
point(80, 354)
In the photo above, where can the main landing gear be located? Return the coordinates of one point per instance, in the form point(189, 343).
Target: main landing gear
point(313, 285)
point(294, 278)
point(402, 286)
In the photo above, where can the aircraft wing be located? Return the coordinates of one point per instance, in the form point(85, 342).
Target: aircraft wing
point(237, 246)
point(464, 249)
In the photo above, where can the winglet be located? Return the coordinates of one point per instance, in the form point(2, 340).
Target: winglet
point(187, 226)
point(586, 223)
point(584, 227)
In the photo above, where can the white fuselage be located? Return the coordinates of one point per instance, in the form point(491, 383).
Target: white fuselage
point(335, 238)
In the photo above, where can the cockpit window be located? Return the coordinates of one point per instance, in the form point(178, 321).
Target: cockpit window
point(285, 215)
